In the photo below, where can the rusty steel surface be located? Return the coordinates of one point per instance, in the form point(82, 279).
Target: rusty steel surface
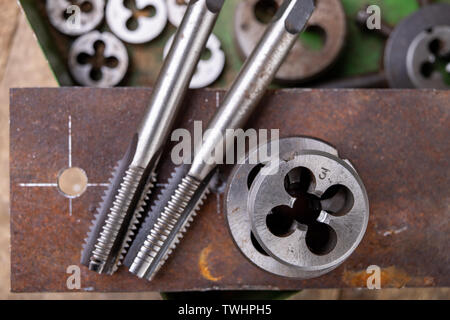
point(397, 139)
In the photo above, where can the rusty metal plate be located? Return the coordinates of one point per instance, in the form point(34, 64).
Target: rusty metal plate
point(398, 140)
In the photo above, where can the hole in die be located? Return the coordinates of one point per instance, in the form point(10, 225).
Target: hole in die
point(265, 10)
point(133, 22)
point(282, 221)
point(313, 38)
point(337, 200)
point(321, 239)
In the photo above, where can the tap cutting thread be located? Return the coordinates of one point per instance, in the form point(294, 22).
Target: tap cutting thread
point(165, 226)
point(115, 218)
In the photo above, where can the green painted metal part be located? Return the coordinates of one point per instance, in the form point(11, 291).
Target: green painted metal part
point(363, 52)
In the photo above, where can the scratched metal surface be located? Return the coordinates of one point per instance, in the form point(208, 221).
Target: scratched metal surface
point(397, 139)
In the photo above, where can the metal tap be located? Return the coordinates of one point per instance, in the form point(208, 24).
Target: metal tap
point(134, 175)
point(177, 206)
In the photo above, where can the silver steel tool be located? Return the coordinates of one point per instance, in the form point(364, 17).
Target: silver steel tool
point(304, 62)
point(176, 10)
point(134, 175)
point(176, 208)
point(208, 69)
point(237, 198)
point(295, 208)
point(308, 211)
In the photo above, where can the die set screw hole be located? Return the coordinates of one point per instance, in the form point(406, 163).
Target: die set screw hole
point(265, 10)
point(313, 38)
point(133, 22)
point(72, 182)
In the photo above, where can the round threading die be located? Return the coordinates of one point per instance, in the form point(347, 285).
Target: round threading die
point(400, 58)
point(77, 17)
point(310, 212)
point(148, 28)
point(238, 219)
point(175, 11)
point(423, 57)
point(85, 54)
point(327, 26)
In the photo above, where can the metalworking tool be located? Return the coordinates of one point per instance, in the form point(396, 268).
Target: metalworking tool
point(133, 177)
point(177, 206)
